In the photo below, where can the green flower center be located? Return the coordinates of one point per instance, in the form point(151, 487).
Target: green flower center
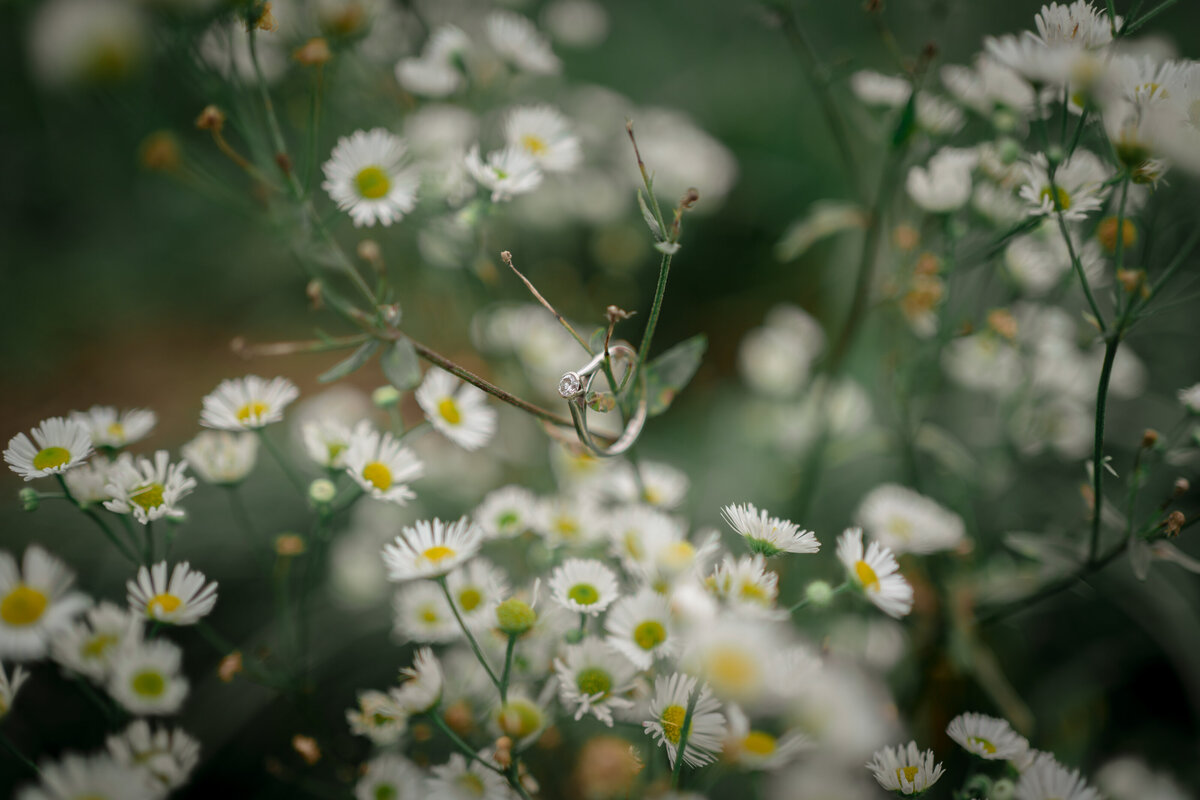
point(594, 681)
point(584, 594)
point(372, 183)
point(469, 599)
point(148, 683)
point(649, 635)
point(385, 791)
point(1064, 197)
point(51, 458)
point(148, 497)
point(983, 744)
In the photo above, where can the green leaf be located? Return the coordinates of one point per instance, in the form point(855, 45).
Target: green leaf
point(907, 123)
point(355, 360)
point(401, 366)
point(648, 215)
point(666, 375)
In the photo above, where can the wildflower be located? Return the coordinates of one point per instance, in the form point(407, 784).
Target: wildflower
point(222, 458)
point(247, 403)
point(168, 754)
point(35, 603)
point(593, 679)
point(421, 614)
point(184, 600)
point(1045, 779)
point(88, 482)
point(876, 89)
point(908, 522)
point(1079, 23)
point(87, 647)
point(987, 737)
point(746, 584)
point(569, 520)
point(369, 177)
point(544, 134)
point(327, 440)
point(1031, 57)
point(436, 73)
point(736, 657)
point(661, 485)
point(9, 686)
point(378, 718)
point(519, 717)
point(423, 688)
point(506, 172)
point(477, 588)
point(146, 678)
point(457, 410)
point(115, 429)
point(96, 777)
point(1078, 185)
point(431, 549)
point(769, 535)
point(60, 445)
point(382, 466)
point(577, 23)
point(905, 770)
point(754, 748)
point(87, 41)
point(777, 358)
point(388, 776)
point(945, 184)
point(639, 628)
point(584, 586)
point(876, 573)
point(506, 512)
point(459, 779)
point(517, 40)
point(1190, 398)
point(149, 490)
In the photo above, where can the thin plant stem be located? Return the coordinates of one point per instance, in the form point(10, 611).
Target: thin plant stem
point(16, 751)
point(293, 476)
point(108, 534)
point(508, 658)
point(467, 632)
point(466, 749)
point(506, 257)
point(664, 270)
point(684, 731)
point(843, 586)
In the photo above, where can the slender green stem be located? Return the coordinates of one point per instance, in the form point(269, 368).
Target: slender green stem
point(441, 581)
point(466, 749)
point(685, 731)
point(293, 476)
point(843, 586)
point(508, 659)
point(148, 533)
point(16, 751)
point(664, 269)
point(1130, 27)
point(108, 534)
point(1110, 354)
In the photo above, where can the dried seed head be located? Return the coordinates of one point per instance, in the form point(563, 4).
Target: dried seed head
point(1149, 438)
point(266, 20)
point(1182, 486)
point(905, 238)
point(289, 544)
point(1003, 322)
point(160, 152)
point(307, 747)
point(230, 666)
point(313, 53)
point(1173, 524)
point(211, 118)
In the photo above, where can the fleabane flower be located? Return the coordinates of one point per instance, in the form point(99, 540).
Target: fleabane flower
point(544, 133)
point(183, 600)
point(88, 482)
point(759, 749)
point(584, 586)
point(519, 717)
point(168, 754)
point(116, 429)
point(369, 177)
point(146, 678)
point(747, 585)
point(1078, 185)
point(768, 535)
point(457, 410)
point(87, 647)
point(222, 458)
point(653, 483)
point(1190, 398)
point(639, 627)
point(389, 776)
point(148, 490)
point(507, 173)
point(422, 614)
point(35, 603)
point(905, 769)
point(94, 777)
point(477, 588)
point(1077, 24)
point(944, 184)
point(876, 573)
point(382, 466)
point(377, 717)
point(437, 72)
point(987, 737)
point(422, 687)
point(1046, 779)
point(518, 41)
point(668, 712)
point(9, 686)
point(737, 657)
point(58, 444)
point(593, 679)
point(431, 549)
point(908, 522)
point(249, 403)
point(328, 440)
point(507, 512)
point(459, 779)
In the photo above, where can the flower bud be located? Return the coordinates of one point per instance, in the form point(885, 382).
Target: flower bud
point(313, 53)
point(289, 544)
point(385, 397)
point(819, 593)
point(230, 666)
point(307, 747)
point(1174, 523)
point(159, 152)
point(29, 499)
point(211, 119)
point(322, 491)
point(515, 617)
point(1106, 232)
point(1149, 438)
point(1003, 789)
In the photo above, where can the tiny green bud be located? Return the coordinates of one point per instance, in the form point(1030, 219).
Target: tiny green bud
point(29, 499)
point(819, 593)
point(322, 491)
point(1010, 151)
point(515, 617)
point(385, 396)
point(1004, 121)
point(1055, 154)
point(1002, 789)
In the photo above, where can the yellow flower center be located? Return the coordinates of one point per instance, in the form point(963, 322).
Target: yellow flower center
point(51, 457)
point(469, 599)
point(448, 409)
point(335, 449)
point(438, 552)
point(534, 145)
point(116, 430)
point(429, 615)
point(148, 683)
point(633, 545)
point(908, 774)
point(583, 593)
point(983, 744)
point(866, 576)
point(732, 670)
point(251, 412)
point(472, 783)
point(901, 528)
point(755, 594)
point(148, 497)
point(566, 527)
point(760, 743)
point(594, 681)
point(24, 605)
point(652, 495)
point(372, 183)
point(649, 635)
point(678, 555)
point(378, 475)
point(1064, 197)
point(385, 791)
point(98, 645)
point(166, 603)
point(672, 722)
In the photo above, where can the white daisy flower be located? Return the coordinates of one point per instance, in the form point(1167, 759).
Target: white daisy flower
point(58, 444)
point(576, 23)
point(457, 410)
point(633, 528)
point(757, 749)
point(988, 87)
point(88, 482)
point(437, 72)
point(378, 718)
point(1190, 398)
point(35, 603)
point(431, 549)
point(148, 489)
point(369, 177)
point(670, 558)
point(146, 678)
point(506, 172)
point(389, 777)
point(382, 466)
point(736, 656)
point(168, 754)
point(662, 485)
point(983, 362)
point(1039, 261)
point(906, 770)
point(1079, 181)
point(1046, 779)
point(9, 686)
point(507, 512)
point(328, 440)
point(747, 585)
point(95, 777)
point(184, 600)
point(222, 458)
point(1079, 23)
point(987, 737)
point(584, 586)
point(570, 520)
point(517, 40)
point(459, 779)
point(544, 133)
point(944, 185)
point(668, 709)
point(87, 647)
point(421, 615)
point(908, 522)
point(593, 679)
point(1032, 58)
point(422, 686)
point(766, 534)
point(639, 628)
point(876, 573)
point(938, 116)
point(477, 588)
point(876, 89)
point(248, 403)
point(116, 429)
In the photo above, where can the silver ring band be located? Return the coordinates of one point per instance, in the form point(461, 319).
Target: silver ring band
point(575, 385)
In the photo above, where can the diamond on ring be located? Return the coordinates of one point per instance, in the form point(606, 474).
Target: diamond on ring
point(570, 386)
